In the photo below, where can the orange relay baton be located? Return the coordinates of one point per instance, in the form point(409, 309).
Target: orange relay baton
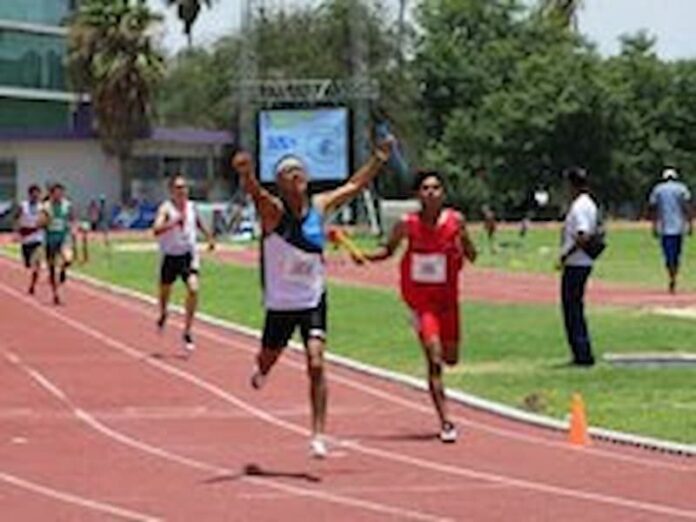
point(338, 237)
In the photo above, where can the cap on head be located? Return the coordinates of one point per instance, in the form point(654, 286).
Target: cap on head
point(288, 163)
point(670, 173)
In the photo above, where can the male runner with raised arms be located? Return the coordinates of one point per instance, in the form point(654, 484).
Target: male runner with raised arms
point(293, 267)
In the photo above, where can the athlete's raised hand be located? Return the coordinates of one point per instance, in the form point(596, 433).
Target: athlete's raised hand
point(243, 163)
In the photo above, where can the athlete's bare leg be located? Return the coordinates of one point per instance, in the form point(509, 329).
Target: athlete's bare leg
point(317, 384)
point(433, 354)
point(192, 286)
point(165, 292)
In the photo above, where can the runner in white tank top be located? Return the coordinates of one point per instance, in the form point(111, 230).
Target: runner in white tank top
point(28, 226)
point(293, 267)
point(175, 227)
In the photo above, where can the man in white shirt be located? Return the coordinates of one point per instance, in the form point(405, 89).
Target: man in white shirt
point(670, 211)
point(175, 228)
point(27, 225)
point(579, 227)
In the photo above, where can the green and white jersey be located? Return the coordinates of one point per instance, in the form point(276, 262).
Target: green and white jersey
point(58, 227)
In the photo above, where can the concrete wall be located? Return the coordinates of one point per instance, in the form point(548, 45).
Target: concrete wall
point(81, 166)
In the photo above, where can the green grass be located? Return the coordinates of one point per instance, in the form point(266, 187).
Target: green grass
point(509, 353)
point(633, 256)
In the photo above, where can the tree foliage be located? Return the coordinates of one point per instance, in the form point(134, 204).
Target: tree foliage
point(111, 57)
point(497, 94)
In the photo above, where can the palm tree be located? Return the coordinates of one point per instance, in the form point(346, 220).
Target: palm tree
point(112, 58)
point(566, 10)
point(188, 11)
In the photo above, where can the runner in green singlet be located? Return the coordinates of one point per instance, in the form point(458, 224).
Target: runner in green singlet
point(58, 219)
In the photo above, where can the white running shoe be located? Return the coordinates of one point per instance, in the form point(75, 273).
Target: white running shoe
point(189, 345)
point(448, 434)
point(317, 447)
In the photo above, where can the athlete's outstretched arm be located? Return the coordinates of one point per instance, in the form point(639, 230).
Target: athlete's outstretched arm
point(385, 251)
point(328, 201)
point(162, 224)
point(268, 206)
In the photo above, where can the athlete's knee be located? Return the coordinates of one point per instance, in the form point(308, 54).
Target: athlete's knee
point(193, 284)
point(315, 358)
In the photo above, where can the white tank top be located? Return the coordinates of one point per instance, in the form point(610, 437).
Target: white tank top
point(179, 240)
point(29, 218)
point(293, 263)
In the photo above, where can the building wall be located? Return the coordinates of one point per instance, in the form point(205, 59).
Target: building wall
point(80, 165)
point(33, 86)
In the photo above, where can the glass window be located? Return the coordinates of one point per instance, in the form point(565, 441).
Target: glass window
point(8, 180)
point(44, 12)
point(32, 60)
point(31, 114)
point(145, 167)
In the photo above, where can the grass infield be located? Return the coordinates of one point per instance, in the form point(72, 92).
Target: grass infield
point(511, 353)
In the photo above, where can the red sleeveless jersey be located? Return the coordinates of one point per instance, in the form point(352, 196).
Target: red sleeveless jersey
point(431, 265)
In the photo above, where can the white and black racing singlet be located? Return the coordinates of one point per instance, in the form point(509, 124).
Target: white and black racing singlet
point(293, 262)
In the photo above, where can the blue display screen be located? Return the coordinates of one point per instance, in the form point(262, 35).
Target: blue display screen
point(319, 137)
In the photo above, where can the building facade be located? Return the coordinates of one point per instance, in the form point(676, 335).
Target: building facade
point(46, 133)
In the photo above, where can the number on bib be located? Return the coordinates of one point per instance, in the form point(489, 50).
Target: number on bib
point(429, 268)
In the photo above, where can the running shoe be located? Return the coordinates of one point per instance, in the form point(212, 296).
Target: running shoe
point(317, 447)
point(189, 345)
point(161, 322)
point(257, 379)
point(448, 434)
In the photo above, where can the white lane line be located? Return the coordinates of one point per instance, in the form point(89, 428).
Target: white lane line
point(69, 498)
point(529, 485)
point(209, 332)
point(321, 495)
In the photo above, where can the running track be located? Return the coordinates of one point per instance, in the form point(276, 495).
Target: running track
point(489, 285)
point(100, 420)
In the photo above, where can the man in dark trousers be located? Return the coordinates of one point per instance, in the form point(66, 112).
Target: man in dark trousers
point(580, 225)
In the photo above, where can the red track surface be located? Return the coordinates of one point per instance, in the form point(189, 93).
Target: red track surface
point(101, 421)
point(492, 286)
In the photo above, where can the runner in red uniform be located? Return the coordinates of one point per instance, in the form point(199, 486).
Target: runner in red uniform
point(438, 244)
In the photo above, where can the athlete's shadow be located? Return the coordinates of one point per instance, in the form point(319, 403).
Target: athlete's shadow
point(167, 356)
point(254, 470)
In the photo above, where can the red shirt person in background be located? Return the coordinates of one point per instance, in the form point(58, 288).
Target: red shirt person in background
point(438, 244)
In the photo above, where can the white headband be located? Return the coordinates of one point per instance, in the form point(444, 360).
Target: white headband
point(289, 163)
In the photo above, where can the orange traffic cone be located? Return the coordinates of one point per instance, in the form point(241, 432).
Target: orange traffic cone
point(577, 435)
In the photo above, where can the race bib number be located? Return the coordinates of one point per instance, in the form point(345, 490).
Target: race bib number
point(429, 268)
point(57, 225)
point(299, 268)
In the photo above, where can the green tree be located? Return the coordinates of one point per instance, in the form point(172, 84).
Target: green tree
point(111, 57)
point(188, 11)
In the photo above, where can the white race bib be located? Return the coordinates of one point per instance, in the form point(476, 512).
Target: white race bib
point(299, 268)
point(429, 268)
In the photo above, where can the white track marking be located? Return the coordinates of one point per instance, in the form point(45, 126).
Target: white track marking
point(77, 500)
point(376, 392)
point(127, 440)
point(529, 485)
